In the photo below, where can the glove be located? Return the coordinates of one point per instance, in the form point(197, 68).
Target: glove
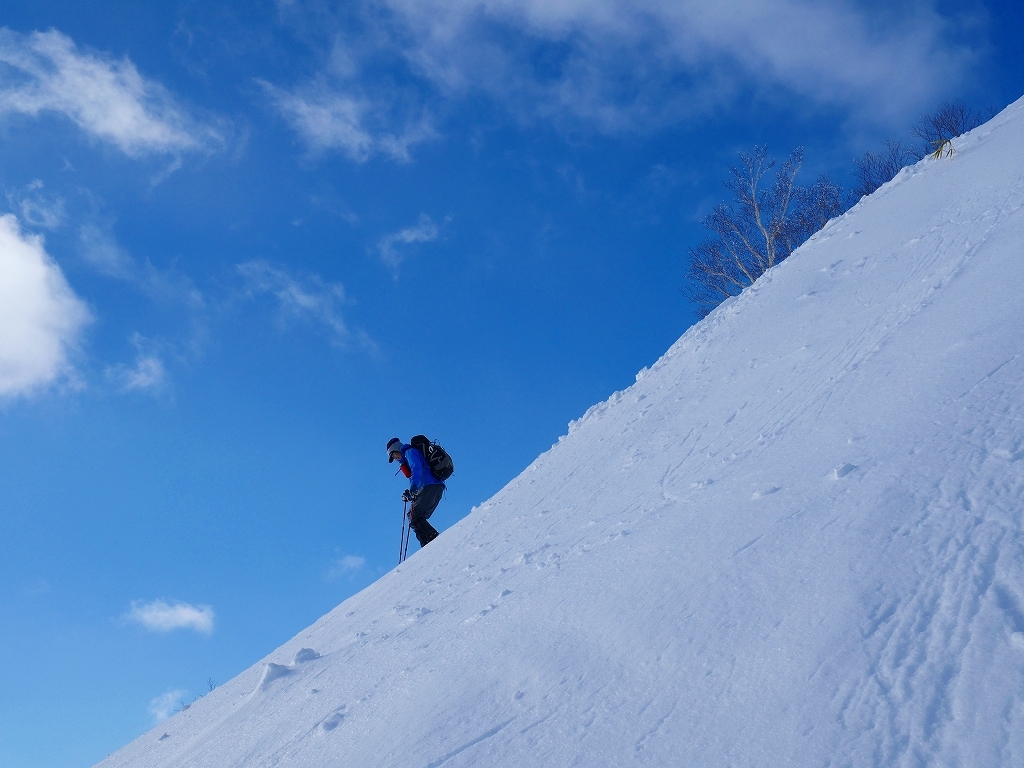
point(409, 494)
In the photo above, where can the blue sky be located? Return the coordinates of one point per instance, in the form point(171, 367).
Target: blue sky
point(243, 245)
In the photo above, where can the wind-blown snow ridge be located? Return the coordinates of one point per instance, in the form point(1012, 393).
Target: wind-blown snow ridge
point(796, 540)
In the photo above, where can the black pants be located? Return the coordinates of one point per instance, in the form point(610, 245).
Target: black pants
point(422, 508)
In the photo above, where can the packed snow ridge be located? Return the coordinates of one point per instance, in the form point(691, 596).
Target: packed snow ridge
point(796, 540)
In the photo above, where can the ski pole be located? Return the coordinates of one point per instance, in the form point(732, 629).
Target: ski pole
point(401, 539)
point(408, 533)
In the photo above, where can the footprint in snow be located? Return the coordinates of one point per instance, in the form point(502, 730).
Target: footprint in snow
point(333, 720)
point(411, 614)
point(480, 614)
point(843, 471)
point(765, 492)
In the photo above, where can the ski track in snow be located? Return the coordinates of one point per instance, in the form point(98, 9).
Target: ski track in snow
point(796, 540)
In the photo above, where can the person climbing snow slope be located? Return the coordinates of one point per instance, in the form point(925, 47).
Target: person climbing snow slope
point(424, 492)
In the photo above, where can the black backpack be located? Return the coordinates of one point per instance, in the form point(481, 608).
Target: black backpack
point(437, 457)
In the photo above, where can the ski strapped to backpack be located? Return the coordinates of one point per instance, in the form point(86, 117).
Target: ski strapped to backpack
point(437, 457)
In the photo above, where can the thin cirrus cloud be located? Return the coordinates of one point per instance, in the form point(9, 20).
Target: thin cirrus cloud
point(166, 704)
point(308, 299)
point(161, 616)
point(146, 374)
point(348, 565)
point(629, 65)
point(694, 53)
point(339, 118)
point(37, 208)
point(41, 318)
point(46, 72)
point(389, 246)
point(101, 251)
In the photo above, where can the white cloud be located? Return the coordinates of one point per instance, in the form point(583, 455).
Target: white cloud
point(626, 65)
point(308, 299)
point(166, 704)
point(345, 566)
point(339, 118)
point(106, 98)
point(40, 316)
point(147, 373)
point(101, 251)
point(424, 231)
point(621, 62)
point(160, 616)
point(327, 120)
point(37, 208)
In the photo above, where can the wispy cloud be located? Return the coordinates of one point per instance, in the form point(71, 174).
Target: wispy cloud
point(636, 65)
point(307, 298)
point(107, 98)
point(161, 616)
point(99, 248)
point(621, 64)
point(37, 208)
point(147, 373)
point(341, 118)
point(424, 231)
point(345, 566)
point(166, 704)
point(41, 318)
point(102, 252)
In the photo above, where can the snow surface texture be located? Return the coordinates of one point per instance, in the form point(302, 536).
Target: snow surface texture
point(796, 540)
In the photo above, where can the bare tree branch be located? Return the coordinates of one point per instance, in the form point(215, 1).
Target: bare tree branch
point(874, 169)
point(761, 228)
point(950, 120)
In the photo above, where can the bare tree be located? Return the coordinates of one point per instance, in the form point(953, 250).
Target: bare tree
point(814, 207)
point(762, 227)
point(874, 169)
point(749, 235)
point(936, 130)
point(950, 120)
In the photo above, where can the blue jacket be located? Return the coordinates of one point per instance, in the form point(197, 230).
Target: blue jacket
point(418, 466)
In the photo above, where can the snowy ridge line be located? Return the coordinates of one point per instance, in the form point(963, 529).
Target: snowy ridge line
point(797, 539)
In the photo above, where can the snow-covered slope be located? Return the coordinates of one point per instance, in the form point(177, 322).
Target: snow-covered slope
point(796, 540)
